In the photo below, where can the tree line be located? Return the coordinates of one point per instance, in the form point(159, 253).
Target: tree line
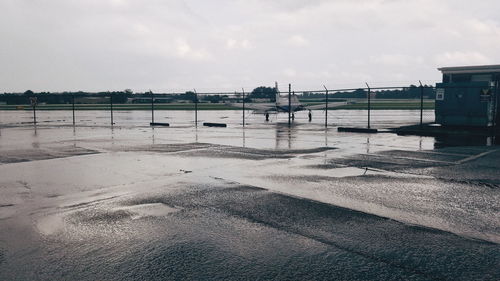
point(262, 92)
point(411, 92)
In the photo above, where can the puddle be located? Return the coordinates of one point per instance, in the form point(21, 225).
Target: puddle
point(50, 225)
point(148, 210)
point(53, 224)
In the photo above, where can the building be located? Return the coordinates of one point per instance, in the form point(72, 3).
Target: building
point(468, 96)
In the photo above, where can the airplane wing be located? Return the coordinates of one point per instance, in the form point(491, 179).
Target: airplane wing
point(323, 106)
point(258, 107)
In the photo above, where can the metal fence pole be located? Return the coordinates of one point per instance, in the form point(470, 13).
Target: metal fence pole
point(152, 107)
point(326, 106)
point(497, 101)
point(195, 109)
point(243, 106)
point(369, 104)
point(73, 107)
point(111, 107)
point(421, 104)
point(34, 113)
point(289, 103)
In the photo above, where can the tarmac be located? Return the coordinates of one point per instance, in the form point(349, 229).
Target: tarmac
point(264, 202)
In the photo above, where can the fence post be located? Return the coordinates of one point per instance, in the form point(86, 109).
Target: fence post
point(111, 105)
point(289, 103)
point(369, 104)
point(243, 106)
point(326, 106)
point(152, 107)
point(497, 103)
point(73, 107)
point(34, 112)
point(33, 101)
point(421, 103)
point(195, 108)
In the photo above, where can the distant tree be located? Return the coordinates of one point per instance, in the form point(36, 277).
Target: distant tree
point(212, 98)
point(189, 96)
point(120, 97)
point(29, 93)
point(263, 92)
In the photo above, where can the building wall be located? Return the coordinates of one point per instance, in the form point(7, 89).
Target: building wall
point(465, 104)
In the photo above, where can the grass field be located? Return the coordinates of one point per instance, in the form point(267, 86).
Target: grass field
point(385, 104)
point(358, 104)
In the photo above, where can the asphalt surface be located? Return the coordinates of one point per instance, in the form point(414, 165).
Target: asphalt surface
point(266, 202)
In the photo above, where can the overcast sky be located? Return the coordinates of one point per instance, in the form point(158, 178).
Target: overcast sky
point(223, 45)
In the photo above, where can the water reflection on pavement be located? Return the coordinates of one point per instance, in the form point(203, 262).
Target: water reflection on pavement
point(266, 201)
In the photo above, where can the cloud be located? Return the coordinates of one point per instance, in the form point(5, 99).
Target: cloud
point(115, 44)
point(231, 43)
point(290, 72)
point(298, 41)
point(238, 44)
point(488, 27)
point(461, 58)
point(185, 51)
point(396, 59)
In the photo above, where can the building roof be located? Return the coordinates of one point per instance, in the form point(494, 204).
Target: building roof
point(494, 68)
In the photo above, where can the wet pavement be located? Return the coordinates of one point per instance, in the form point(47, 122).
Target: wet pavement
point(131, 202)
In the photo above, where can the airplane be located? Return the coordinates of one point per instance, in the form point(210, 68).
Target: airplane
point(285, 104)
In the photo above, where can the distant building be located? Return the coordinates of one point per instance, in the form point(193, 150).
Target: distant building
point(468, 96)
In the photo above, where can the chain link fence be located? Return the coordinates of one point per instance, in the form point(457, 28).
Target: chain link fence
point(378, 107)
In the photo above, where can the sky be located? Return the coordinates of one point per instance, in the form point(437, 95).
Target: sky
point(227, 45)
